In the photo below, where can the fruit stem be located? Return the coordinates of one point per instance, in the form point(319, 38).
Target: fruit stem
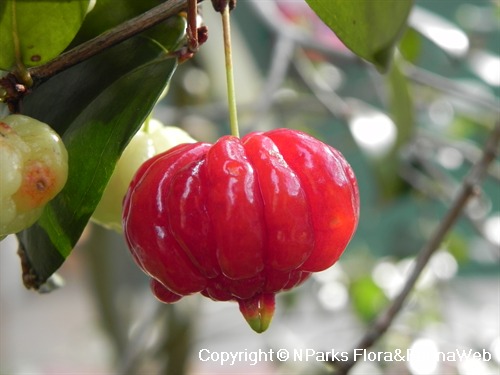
point(146, 124)
point(231, 98)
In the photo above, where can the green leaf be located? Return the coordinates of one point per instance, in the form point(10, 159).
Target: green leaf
point(457, 246)
point(410, 45)
point(42, 28)
point(367, 298)
point(107, 14)
point(368, 28)
point(97, 106)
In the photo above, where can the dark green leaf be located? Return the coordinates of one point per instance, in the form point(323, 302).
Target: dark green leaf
point(42, 28)
point(97, 106)
point(369, 28)
point(107, 14)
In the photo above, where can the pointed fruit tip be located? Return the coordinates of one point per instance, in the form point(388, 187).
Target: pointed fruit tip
point(258, 311)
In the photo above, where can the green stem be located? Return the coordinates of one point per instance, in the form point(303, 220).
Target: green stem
point(233, 116)
point(146, 123)
point(22, 72)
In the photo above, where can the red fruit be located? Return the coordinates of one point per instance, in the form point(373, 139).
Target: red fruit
point(241, 219)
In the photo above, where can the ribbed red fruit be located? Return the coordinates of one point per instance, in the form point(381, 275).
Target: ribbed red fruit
point(241, 219)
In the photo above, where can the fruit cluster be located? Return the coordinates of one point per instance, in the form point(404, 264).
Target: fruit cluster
point(241, 219)
point(34, 165)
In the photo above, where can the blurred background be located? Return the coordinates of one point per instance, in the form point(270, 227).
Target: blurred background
point(410, 135)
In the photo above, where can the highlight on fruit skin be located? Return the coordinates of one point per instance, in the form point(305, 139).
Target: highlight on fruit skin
point(242, 219)
point(34, 165)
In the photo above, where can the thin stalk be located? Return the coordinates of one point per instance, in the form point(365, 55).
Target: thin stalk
point(146, 124)
point(231, 97)
point(22, 72)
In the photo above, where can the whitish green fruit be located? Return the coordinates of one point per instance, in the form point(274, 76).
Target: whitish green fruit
point(34, 169)
point(152, 139)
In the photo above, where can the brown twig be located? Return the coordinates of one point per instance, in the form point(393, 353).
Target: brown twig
point(469, 188)
point(108, 39)
point(192, 27)
point(196, 36)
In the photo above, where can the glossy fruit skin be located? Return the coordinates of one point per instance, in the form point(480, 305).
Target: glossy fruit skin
point(34, 165)
point(241, 219)
point(151, 139)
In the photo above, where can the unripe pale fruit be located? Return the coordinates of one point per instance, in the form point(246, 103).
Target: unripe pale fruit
point(34, 165)
point(241, 219)
point(152, 139)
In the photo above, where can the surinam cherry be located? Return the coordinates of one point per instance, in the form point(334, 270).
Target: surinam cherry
point(241, 219)
point(34, 169)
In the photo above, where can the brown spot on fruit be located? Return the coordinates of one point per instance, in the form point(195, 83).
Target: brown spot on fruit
point(37, 187)
point(5, 129)
point(36, 58)
point(40, 185)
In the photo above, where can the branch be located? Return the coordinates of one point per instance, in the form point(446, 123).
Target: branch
point(469, 151)
point(422, 173)
point(108, 39)
point(468, 189)
point(450, 87)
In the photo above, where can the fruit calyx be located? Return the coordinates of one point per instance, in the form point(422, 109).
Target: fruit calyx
point(258, 311)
